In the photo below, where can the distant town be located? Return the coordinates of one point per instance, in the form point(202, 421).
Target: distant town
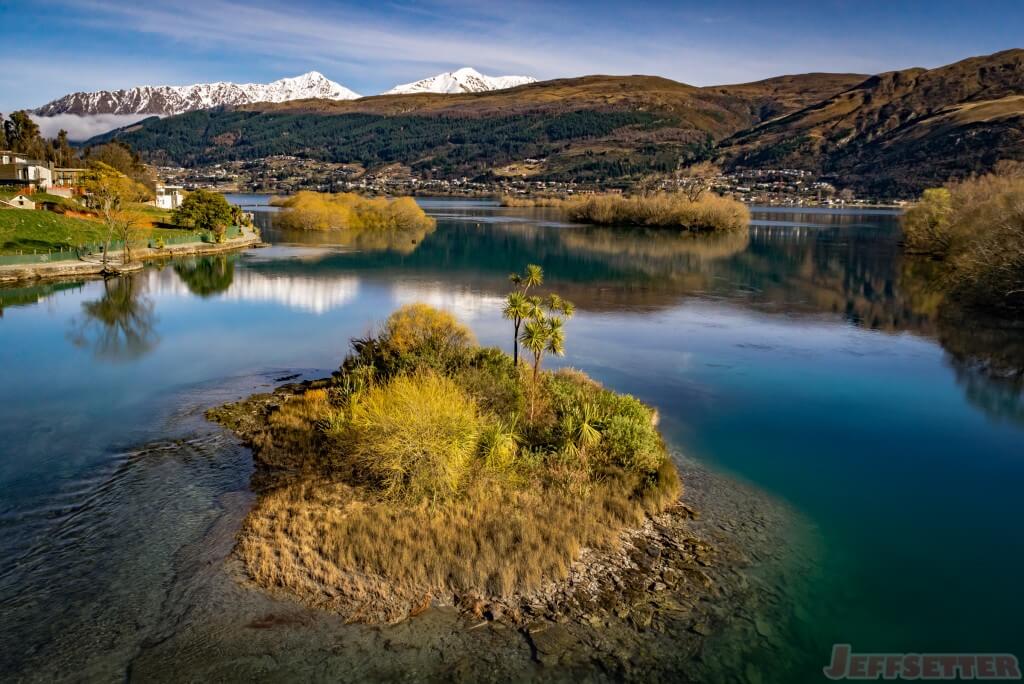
point(286, 174)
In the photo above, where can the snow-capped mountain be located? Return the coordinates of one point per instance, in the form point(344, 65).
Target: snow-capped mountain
point(167, 100)
point(465, 80)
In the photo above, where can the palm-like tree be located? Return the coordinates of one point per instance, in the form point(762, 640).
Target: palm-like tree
point(583, 427)
point(517, 308)
point(556, 305)
point(533, 277)
point(556, 337)
point(542, 335)
point(535, 340)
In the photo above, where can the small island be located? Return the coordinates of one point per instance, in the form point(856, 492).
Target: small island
point(697, 213)
point(430, 471)
point(356, 222)
point(307, 210)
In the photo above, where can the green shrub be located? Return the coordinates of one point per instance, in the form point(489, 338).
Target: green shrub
point(204, 210)
point(926, 225)
point(628, 437)
point(632, 444)
point(418, 334)
point(493, 380)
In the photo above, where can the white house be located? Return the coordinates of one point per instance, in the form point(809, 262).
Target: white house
point(169, 196)
point(18, 202)
point(18, 169)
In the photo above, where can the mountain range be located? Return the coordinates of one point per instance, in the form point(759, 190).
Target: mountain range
point(889, 134)
point(170, 100)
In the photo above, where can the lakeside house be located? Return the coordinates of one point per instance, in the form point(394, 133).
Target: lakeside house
point(18, 169)
point(169, 196)
point(18, 202)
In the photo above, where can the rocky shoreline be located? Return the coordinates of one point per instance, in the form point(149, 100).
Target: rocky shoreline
point(20, 273)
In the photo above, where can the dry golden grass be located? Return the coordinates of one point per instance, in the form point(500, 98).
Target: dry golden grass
point(527, 202)
point(333, 545)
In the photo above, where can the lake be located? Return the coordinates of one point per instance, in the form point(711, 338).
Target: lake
point(802, 359)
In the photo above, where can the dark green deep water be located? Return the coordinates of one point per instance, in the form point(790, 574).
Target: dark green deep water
point(801, 359)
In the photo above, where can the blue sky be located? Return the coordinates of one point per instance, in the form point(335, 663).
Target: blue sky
point(51, 47)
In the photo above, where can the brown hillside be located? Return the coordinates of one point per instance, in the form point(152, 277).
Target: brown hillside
point(965, 116)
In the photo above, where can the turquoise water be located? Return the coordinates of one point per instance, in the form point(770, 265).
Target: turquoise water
point(797, 358)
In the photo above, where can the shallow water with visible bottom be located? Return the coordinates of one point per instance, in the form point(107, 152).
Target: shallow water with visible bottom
point(800, 358)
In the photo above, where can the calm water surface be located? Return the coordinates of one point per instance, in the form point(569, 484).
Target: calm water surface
point(801, 358)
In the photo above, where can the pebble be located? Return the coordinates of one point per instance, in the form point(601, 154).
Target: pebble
point(763, 628)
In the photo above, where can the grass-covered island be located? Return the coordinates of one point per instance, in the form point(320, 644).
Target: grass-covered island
point(362, 223)
point(307, 210)
point(707, 212)
point(432, 471)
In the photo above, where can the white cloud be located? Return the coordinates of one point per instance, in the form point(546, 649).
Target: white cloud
point(81, 128)
point(371, 47)
point(408, 46)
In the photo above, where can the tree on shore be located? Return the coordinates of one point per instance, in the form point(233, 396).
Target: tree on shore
point(973, 232)
point(518, 306)
point(205, 210)
point(63, 153)
point(110, 192)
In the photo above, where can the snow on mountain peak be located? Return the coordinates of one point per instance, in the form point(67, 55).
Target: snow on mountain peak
point(167, 100)
point(464, 80)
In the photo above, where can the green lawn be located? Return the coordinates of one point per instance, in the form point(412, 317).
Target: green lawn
point(154, 214)
point(23, 230)
point(7, 192)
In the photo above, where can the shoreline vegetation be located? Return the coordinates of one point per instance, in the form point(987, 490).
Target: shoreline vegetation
point(707, 212)
point(112, 229)
point(432, 471)
point(972, 234)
